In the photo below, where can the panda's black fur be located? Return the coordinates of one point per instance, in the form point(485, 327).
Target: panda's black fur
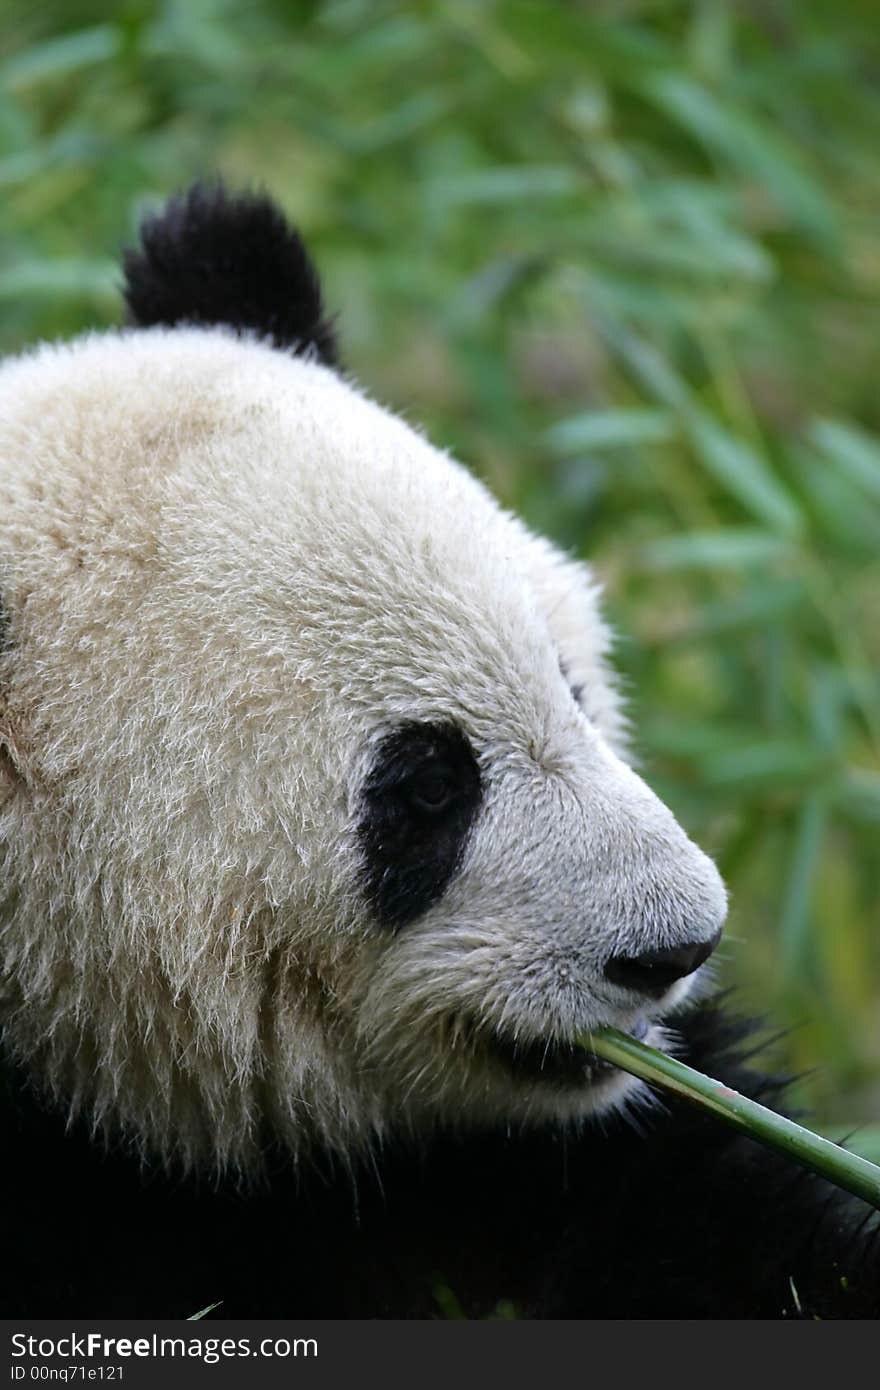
point(664, 1214)
point(674, 1218)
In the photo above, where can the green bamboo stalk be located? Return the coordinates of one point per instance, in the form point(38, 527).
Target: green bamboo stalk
point(847, 1170)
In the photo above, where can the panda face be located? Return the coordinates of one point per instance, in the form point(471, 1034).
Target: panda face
point(315, 816)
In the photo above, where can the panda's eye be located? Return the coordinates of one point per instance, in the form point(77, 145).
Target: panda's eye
point(432, 789)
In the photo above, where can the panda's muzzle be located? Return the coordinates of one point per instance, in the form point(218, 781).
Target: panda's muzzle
point(552, 1062)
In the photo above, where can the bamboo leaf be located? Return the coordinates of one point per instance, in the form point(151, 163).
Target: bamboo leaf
point(796, 904)
point(610, 429)
point(744, 474)
point(734, 548)
point(855, 452)
point(59, 57)
point(749, 145)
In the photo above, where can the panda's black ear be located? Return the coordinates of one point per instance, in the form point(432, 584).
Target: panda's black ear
point(211, 257)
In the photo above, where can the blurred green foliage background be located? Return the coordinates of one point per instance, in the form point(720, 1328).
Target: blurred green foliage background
point(623, 258)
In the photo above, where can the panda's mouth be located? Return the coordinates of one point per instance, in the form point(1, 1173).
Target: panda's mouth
point(552, 1062)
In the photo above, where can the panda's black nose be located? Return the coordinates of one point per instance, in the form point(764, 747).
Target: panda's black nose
point(654, 971)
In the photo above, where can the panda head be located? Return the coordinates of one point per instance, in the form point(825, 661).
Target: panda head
point(315, 816)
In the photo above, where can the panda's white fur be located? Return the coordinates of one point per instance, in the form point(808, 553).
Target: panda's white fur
point(226, 574)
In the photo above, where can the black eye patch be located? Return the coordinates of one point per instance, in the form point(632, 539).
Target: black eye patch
point(419, 802)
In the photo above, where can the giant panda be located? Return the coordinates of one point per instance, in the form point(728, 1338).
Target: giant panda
point(320, 848)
